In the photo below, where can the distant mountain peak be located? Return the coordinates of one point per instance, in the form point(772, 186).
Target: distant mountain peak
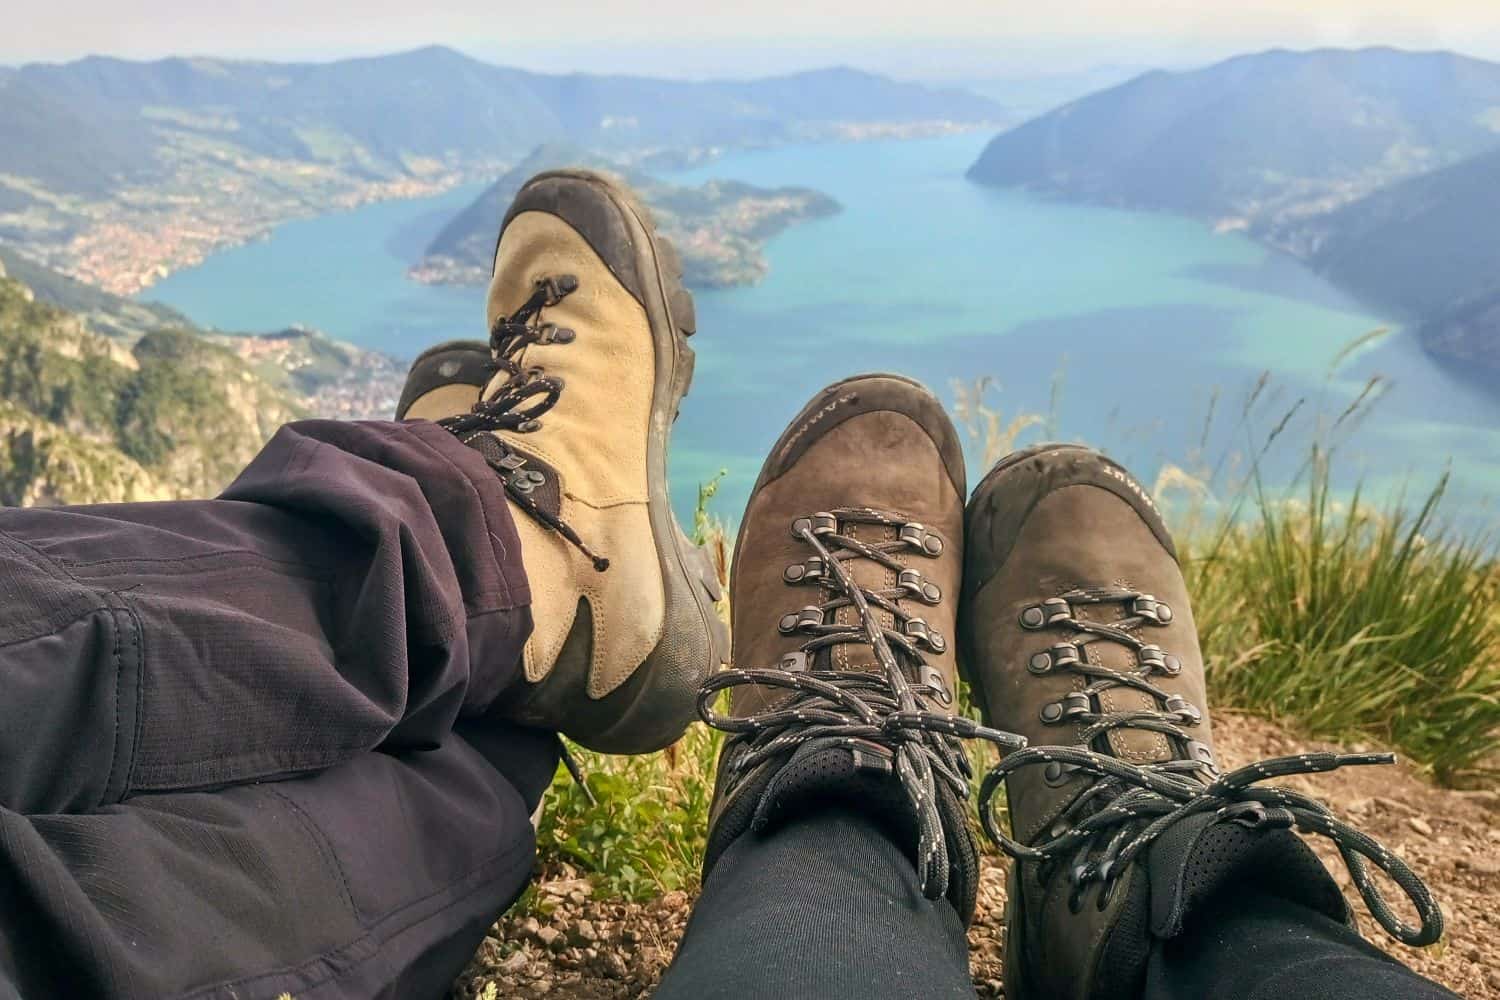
point(1256, 137)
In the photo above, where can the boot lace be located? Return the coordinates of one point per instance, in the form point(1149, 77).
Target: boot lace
point(1129, 805)
point(518, 405)
point(831, 708)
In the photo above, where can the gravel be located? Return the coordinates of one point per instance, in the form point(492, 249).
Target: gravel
point(600, 949)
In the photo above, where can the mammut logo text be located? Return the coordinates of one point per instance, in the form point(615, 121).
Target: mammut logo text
point(812, 421)
point(1131, 484)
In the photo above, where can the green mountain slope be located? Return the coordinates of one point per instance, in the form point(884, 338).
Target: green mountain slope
point(114, 315)
point(169, 413)
point(379, 114)
point(85, 419)
point(117, 172)
point(1418, 247)
point(1425, 249)
point(720, 227)
point(1258, 139)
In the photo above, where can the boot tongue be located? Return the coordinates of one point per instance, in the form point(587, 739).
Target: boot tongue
point(1139, 746)
point(868, 575)
point(1198, 858)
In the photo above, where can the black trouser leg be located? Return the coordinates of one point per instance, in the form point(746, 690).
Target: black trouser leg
point(1246, 945)
point(227, 751)
point(826, 906)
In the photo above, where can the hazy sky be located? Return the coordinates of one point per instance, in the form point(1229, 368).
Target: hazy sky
point(954, 38)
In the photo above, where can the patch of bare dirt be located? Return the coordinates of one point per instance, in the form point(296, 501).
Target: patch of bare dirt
point(600, 949)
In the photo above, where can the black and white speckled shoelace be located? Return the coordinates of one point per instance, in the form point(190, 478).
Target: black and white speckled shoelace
point(855, 709)
point(1129, 805)
point(519, 404)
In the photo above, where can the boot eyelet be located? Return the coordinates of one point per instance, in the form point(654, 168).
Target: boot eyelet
point(1105, 892)
point(924, 635)
point(916, 536)
point(1051, 713)
point(911, 581)
point(1187, 714)
point(801, 526)
point(1040, 663)
point(824, 524)
point(1056, 774)
point(794, 663)
point(1149, 608)
point(1033, 618)
point(794, 573)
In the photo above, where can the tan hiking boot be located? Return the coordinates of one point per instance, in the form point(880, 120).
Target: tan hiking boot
point(843, 590)
point(590, 360)
point(1077, 633)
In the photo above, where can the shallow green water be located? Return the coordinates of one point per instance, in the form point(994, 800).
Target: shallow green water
point(1128, 327)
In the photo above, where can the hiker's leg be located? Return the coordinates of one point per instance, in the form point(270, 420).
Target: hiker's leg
point(826, 906)
point(375, 878)
point(359, 586)
point(1248, 945)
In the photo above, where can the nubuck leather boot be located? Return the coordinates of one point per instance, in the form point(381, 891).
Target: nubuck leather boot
point(572, 403)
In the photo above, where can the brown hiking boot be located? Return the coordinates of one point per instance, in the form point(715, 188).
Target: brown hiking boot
point(843, 590)
point(1078, 634)
point(589, 361)
point(446, 380)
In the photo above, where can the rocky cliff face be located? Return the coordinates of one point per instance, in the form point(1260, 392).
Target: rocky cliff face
point(85, 419)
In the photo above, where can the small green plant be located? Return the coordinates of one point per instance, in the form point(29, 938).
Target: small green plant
point(644, 833)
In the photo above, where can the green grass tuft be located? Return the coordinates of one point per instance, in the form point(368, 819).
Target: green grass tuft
point(1357, 622)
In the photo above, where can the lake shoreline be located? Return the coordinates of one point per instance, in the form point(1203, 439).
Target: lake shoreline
point(1153, 320)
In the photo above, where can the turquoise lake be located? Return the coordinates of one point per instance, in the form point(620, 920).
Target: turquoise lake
point(1125, 329)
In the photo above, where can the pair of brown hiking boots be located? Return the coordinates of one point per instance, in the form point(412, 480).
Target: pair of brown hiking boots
point(863, 588)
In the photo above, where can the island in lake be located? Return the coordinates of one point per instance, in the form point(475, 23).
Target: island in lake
point(720, 227)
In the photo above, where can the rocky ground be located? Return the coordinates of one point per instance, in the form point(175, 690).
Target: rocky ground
point(601, 949)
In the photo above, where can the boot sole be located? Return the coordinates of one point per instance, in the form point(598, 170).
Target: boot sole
point(663, 691)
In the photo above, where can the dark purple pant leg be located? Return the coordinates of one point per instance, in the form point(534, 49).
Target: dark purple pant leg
point(227, 752)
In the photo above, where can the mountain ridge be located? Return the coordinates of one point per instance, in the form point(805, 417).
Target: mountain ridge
point(1260, 137)
point(1370, 165)
point(118, 171)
